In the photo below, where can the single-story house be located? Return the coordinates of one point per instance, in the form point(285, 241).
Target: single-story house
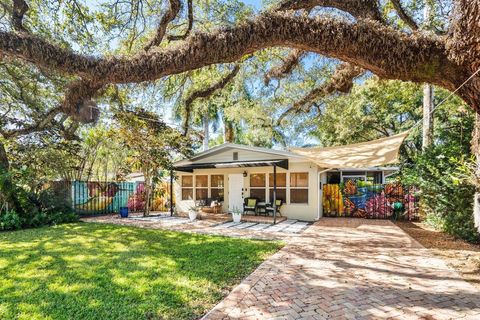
point(233, 172)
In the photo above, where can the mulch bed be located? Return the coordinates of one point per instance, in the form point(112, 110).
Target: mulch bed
point(462, 256)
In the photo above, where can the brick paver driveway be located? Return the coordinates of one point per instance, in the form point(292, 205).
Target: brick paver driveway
point(352, 269)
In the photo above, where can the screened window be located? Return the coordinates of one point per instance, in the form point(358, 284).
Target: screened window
point(201, 187)
point(217, 187)
point(187, 187)
point(281, 187)
point(299, 187)
point(258, 186)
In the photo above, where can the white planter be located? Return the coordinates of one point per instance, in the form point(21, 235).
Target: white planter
point(192, 215)
point(237, 217)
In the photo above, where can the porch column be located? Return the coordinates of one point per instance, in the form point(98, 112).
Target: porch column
point(171, 192)
point(274, 194)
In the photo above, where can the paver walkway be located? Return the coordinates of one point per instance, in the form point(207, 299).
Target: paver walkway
point(248, 230)
point(287, 226)
point(351, 269)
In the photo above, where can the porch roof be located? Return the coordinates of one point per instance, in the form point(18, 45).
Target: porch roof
point(282, 163)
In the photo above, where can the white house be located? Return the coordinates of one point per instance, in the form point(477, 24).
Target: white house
point(232, 172)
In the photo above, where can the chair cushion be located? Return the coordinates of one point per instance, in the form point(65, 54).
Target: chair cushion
point(251, 203)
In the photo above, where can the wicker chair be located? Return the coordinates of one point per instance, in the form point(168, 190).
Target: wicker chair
point(250, 205)
point(269, 207)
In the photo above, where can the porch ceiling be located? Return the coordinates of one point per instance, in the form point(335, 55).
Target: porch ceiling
point(282, 163)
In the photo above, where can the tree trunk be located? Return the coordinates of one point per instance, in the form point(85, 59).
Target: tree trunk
point(229, 134)
point(148, 192)
point(427, 135)
point(206, 131)
point(7, 188)
point(476, 152)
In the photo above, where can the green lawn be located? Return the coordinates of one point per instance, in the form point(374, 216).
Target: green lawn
point(100, 271)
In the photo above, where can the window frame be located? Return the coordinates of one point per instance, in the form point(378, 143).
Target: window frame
point(211, 187)
point(283, 188)
point(183, 188)
point(264, 188)
point(292, 188)
point(197, 188)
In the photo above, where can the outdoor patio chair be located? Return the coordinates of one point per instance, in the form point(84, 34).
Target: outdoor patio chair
point(250, 205)
point(212, 206)
point(269, 207)
point(199, 204)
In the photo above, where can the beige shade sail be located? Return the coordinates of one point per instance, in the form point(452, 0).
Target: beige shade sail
point(359, 155)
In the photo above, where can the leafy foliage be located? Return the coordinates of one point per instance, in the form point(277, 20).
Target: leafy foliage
point(152, 144)
point(447, 197)
point(10, 220)
point(447, 203)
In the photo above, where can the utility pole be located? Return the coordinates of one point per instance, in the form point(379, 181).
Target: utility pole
point(427, 132)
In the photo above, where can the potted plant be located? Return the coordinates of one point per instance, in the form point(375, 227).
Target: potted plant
point(192, 213)
point(236, 215)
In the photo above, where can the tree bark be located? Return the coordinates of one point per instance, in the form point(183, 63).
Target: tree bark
point(206, 131)
point(229, 134)
point(365, 43)
point(476, 152)
point(427, 132)
point(148, 188)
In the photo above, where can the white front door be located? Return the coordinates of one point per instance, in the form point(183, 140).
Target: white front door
point(235, 189)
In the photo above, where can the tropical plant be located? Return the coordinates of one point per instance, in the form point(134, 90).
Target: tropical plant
point(152, 145)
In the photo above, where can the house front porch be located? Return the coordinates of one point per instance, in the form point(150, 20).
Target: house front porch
point(225, 217)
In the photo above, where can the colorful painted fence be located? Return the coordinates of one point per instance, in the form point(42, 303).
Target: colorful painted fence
point(366, 200)
point(103, 197)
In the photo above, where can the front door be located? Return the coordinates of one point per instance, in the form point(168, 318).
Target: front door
point(235, 188)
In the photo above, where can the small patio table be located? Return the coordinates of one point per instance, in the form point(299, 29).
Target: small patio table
point(261, 208)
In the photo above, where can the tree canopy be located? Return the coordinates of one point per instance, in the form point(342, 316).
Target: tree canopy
point(157, 39)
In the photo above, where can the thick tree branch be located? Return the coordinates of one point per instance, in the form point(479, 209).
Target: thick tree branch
point(340, 81)
point(20, 7)
point(366, 9)
point(205, 93)
point(387, 52)
point(190, 24)
point(403, 15)
point(37, 126)
point(281, 71)
point(464, 40)
point(383, 50)
point(169, 16)
point(359, 9)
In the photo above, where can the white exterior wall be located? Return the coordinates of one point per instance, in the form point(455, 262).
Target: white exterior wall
point(306, 212)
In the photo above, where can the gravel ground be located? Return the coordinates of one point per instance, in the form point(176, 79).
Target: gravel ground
point(462, 256)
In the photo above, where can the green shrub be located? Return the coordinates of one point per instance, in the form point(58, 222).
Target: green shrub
point(10, 220)
point(446, 200)
point(45, 208)
point(62, 217)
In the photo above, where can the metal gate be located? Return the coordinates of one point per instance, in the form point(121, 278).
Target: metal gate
point(368, 200)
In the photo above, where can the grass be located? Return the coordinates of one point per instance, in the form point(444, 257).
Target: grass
point(101, 271)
